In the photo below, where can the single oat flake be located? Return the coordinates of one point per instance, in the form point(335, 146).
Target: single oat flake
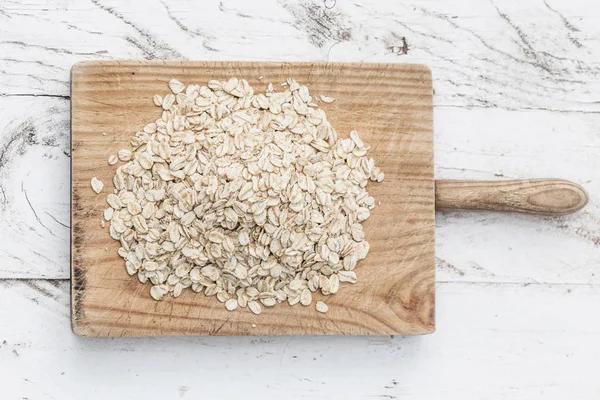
point(97, 185)
point(321, 307)
point(327, 99)
point(252, 198)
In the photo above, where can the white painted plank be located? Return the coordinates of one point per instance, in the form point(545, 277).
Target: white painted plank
point(495, 144)
point(34, 187)
point(492, 342)
point(510, 54)
point(470, 144)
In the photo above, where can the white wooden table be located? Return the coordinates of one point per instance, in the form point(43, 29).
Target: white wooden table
point(517, 95)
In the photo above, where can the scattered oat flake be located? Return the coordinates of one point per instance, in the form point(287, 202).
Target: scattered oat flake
point(321, 307)
point(156, 293)
point(113, 159)
point(103, 133)
point(102, 223)
point(176, 86)
point(254, 325)
point(124, 155)
point(327, 99)
point(231, 304)
point(254, 307)
point(97, 185)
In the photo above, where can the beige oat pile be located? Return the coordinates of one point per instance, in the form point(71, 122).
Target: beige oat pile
point(252, 198)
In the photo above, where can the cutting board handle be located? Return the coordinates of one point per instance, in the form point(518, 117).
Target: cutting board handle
point(531, 196)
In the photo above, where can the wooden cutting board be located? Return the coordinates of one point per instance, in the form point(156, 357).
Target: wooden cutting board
point(391, 107)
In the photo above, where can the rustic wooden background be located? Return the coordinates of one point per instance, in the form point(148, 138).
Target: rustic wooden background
point(517, 86)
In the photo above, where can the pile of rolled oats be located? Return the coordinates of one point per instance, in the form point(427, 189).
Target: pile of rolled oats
point(250, 197)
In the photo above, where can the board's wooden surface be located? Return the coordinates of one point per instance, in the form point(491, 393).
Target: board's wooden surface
point(389, 104)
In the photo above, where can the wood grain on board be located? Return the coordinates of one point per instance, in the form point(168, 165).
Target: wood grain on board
point(389, 104)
